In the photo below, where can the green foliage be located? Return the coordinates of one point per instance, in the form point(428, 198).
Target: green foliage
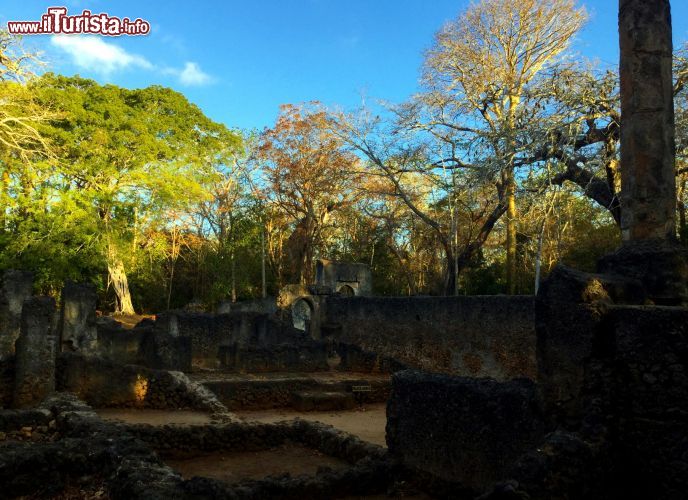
point(124, 159)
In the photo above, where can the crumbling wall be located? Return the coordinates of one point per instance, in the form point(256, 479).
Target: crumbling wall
point(78, 329)
point(36, 352)
point(15, 287)
point(104, 384)
point(207, 333)
point(475, 336)
point(267, 305)
point(344, 277)
point(466, 432)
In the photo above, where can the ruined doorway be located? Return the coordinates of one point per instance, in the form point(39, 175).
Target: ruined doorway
point(347, 291)
point(301, 314)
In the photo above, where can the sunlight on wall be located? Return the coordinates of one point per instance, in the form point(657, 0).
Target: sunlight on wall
point(140, 388)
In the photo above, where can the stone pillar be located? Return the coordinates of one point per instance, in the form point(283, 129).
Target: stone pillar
point(650, 252)
point(78, 329)
point(15, 288)
point(36, 352)
point(648, 186)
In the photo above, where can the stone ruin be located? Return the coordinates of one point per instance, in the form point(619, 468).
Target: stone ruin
point(345, 278)
point(580, 392)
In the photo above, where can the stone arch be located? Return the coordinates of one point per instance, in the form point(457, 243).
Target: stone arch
point(346, 291)
point(302, 314)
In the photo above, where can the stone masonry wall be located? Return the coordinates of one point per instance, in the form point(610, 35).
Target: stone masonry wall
point(15, 287)
point(477, 336)
point(466, 432)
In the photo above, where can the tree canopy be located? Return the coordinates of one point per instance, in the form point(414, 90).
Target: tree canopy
point(503, 163)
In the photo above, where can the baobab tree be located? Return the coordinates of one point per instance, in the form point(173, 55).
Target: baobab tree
point(479, 75)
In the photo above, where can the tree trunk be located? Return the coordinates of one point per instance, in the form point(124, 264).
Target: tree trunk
point(4, 198)
point(263, 281)
point(511, 236)
point(118, 277)
point(451, 270)
point(682, 227)
point(403, 267)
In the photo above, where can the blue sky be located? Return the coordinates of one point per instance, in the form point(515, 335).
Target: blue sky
point(239, 60)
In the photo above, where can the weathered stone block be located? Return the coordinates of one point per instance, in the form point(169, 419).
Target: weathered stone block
point(36, 352)
point(78, 328)
point(569, 310)
point(16, 287)
point(465, 431)
point(661, 267)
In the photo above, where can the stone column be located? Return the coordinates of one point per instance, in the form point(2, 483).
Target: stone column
point(648, 186)
point(16, 287)
point(36, 352)
point(650, 252)
point(78, 329)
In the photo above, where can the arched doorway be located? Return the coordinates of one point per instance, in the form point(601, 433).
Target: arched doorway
point(346, 291)
point(301, 314)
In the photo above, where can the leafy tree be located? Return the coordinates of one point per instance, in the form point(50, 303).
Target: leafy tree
point(309, 176)
point(126, 156)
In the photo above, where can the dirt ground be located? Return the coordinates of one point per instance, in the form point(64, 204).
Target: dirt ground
point(331, 376)
point(154, 417)
point(232, 467)
point(368, 422)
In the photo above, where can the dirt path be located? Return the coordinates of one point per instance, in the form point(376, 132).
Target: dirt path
point(331, 376)
point(368, 423)
point(232, 467)
point(154, 417)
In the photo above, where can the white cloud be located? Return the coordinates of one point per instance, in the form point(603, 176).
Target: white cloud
point(193, 75)
point(93, 53)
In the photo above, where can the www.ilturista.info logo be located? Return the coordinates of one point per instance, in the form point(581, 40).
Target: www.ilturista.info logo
point(56, 20)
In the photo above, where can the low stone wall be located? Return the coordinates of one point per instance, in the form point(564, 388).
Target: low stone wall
point(470, 336)
point(190, 441)
point(267, 305)
point(208, 333)
point(87, 457)
point(278, 393)
point(104, 384)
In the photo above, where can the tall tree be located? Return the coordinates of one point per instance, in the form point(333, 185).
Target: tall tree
point(309, 176)
point(126, 155)
point(479, 75)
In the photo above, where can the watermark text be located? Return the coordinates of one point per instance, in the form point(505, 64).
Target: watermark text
point(57, 21)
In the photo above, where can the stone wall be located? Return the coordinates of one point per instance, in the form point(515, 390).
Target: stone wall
point(15, 287)
point(78, 328)
point(104, 384)
point(36, 352)
point(267, 305)
point(465, 432)
point(208, 332)
point(628, 387)
point(278, 392)
point(471, 336)
point(82, 456)
point(345, 278)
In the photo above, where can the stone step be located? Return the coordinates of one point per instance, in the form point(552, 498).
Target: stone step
point(322, 401)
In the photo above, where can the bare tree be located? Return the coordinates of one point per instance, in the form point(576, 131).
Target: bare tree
point(478, 77)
